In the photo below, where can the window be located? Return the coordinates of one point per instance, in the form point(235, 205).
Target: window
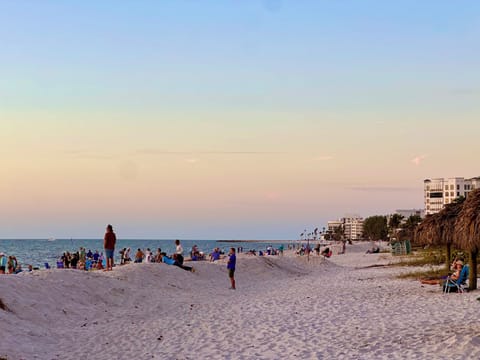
point(458, 193)
point(452, 193)
point(446, 187)
point(451, 187)
point(458, 187)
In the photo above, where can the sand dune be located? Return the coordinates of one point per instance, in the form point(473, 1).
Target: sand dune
point(284, 307)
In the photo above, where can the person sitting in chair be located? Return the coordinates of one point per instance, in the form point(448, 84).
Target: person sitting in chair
point(456, 281)
point(457, 270)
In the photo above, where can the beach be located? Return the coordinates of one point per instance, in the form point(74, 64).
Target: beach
point(346, 307)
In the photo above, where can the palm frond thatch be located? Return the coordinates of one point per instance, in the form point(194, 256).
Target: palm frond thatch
point(439, 228)
point(467, 226)
point(448, 218)
point(428, 231)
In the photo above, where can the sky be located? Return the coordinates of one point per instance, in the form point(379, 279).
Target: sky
point(229, 119)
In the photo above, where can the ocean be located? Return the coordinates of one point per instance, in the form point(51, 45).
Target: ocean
point(37, 252)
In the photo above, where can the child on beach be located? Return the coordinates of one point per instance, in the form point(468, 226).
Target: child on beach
point(232, 259)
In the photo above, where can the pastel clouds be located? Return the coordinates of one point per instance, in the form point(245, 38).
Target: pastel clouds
point(417, 160)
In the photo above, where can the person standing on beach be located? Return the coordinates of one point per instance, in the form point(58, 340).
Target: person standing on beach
point(3, 263)
point(232, 260)
point(109, 241)
point(179, 252)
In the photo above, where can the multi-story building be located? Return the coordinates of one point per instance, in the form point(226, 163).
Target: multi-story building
point(441, 191)
point(333, 224)
point(352, 226)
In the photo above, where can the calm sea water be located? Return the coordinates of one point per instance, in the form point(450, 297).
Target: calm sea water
point(37, 252)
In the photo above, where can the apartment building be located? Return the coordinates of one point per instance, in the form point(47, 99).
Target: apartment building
point(333, 224)
point(352, 226)
point(441, 191)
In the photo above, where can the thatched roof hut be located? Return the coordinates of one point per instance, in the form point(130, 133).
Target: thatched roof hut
point(467, 231)
point(428, 231)
point(448, 219)
point(439, 228)
point(467, 234)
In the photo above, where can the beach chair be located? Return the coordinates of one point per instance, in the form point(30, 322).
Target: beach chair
point(459, 285)
point(59, 264)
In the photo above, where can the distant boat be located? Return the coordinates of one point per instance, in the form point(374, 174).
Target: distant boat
point(51, 239)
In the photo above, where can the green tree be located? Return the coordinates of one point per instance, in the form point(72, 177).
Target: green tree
point(394, 223)
point(375, 227)
point(338, 233)
point(408, 229)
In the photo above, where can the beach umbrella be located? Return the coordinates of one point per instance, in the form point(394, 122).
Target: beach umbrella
point(467, 232)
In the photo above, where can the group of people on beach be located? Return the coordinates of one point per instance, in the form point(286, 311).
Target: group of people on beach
point(306, 249)
point(82, 259)
point(88, 260)
point(176, 259)
point(9, 264)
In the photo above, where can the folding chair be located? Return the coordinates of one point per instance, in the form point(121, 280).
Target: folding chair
point(458, 285)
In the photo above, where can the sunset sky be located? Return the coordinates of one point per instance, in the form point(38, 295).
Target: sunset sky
point(229, 119)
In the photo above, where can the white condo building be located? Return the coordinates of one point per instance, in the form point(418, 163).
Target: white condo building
point(441, 191)
point(333, 224)
point(352, 226)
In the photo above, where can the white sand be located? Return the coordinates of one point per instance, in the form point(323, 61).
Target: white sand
point(284, 308)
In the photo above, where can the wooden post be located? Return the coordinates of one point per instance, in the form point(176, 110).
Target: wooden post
point(472, 279)
point(449, 255)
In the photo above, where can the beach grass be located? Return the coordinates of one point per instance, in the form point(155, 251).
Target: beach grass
point(432, 261)
point(423, 257)
point(430, 273)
